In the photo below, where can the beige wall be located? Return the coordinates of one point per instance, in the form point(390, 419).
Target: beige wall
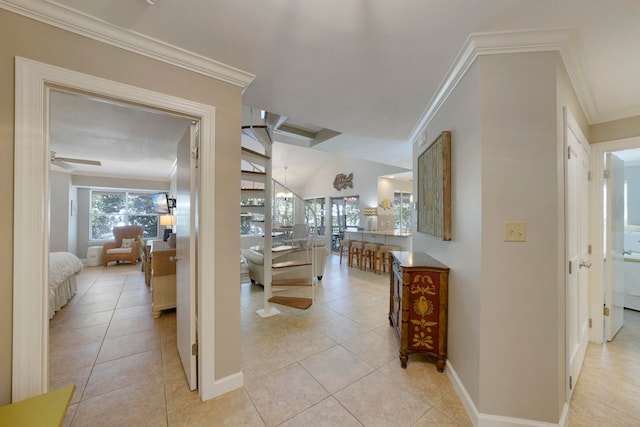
point(519, 320)
point(461, 115)
point(504, 335)
point(23, 37)
point(614, 130)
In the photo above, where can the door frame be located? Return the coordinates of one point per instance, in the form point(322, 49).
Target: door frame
point(33, 81)
point(596, 293)
point(570, 125)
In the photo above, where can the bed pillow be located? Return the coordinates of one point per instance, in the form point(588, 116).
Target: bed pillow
point(127, 243)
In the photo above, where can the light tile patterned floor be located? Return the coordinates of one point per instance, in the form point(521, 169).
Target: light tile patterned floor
point(335, 364)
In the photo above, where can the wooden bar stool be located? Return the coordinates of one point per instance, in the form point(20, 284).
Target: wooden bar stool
point(370, 255)
point(384, 258)
point(357, 249)
point(345, 248)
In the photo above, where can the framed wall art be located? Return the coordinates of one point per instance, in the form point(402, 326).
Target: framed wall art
point(434, 188)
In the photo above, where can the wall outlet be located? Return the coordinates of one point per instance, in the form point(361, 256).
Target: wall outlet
point(515, 231)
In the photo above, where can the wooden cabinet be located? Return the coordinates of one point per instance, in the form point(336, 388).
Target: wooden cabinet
point(418, 305)
point(163, 277)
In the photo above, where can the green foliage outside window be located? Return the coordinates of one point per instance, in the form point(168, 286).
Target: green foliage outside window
point(402, 210)
point(111, 209)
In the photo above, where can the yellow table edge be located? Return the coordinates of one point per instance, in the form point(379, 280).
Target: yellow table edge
point(48, 409)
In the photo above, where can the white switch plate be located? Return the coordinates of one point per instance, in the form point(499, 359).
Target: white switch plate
point(515, 231)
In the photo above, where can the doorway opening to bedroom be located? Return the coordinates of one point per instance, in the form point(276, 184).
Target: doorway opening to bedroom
point(34, 82)
point(123, 153)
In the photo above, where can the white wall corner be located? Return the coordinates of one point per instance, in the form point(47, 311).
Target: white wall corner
point(563, 41)
point(479, 419)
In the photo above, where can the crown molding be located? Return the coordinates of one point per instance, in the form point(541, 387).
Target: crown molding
point(563, 41)
point(85, 25)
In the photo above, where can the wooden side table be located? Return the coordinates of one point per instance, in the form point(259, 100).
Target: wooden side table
point(418, 304)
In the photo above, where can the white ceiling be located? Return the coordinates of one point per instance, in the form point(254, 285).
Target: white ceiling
point(128, 141)
point(369, 68)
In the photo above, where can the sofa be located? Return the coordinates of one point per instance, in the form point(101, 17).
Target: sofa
point(255, 262)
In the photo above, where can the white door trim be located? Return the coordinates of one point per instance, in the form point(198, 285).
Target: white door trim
point(596, 295)
point(571, 125)
point(31, 217)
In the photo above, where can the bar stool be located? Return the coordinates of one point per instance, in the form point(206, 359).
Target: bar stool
point(370, 255)
point(357, 249)
point(344, 248)
point(384, 258)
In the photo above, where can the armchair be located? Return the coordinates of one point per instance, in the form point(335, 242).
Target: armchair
point(125, 247)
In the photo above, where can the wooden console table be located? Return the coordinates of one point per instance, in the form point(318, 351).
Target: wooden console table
point(418, 305)
point(163, 277)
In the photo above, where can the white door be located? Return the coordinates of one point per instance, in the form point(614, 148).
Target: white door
point(186, 255)
point(577, 235)
point(614, 244)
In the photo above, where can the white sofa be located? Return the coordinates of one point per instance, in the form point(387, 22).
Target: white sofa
point(255, 261)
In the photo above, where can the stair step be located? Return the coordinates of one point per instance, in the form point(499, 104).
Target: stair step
point(252, 193)
point(259, 133)
point(259, 209)
point(254, 157)
point(292, 282)
point(253, 176)
point(288, 264)
point(295, 302)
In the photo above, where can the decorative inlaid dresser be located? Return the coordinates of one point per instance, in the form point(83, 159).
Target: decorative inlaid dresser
point(418, 305)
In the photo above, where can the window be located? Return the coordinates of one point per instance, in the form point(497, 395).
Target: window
point(282, 206)
point(114, 208)
point(315, 206)
point(402, 210)
point(345, 213)
point(251, 223)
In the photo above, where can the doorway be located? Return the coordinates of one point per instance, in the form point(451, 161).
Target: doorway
point(119, 187)
point(345, 213)
point(597, 287)
point(34, 80)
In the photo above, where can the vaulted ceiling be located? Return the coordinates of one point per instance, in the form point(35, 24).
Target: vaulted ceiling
point(368, 69)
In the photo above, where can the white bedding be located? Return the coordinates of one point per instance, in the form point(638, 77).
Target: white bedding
point(63, 267)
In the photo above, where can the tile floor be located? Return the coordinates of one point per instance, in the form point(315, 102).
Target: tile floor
point(608, 390)
point(335, 364)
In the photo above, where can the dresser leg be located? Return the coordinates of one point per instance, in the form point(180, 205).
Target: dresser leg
point(440, 364)
point(403, 360)
point(156, 313)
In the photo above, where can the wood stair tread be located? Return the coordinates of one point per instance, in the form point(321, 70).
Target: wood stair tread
point(289, 264)
point(292, 282)
point(254, 153)
point(295, 302)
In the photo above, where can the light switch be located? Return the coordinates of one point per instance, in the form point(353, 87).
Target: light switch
point(515, 231)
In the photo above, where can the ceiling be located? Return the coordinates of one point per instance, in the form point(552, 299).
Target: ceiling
point(368, 69)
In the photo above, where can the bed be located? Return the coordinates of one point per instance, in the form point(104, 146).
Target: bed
point(63, 269)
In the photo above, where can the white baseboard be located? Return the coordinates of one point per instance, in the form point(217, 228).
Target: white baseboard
point(479, 419)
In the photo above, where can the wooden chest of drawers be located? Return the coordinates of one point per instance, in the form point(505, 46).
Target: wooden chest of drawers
point(418, 305)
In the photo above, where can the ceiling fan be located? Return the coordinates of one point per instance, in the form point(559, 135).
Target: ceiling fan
point(63, 161)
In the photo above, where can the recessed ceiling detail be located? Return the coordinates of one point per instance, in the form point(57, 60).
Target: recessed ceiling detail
point(289, 131)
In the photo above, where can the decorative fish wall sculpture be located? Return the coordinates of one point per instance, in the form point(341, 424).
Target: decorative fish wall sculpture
point(343, 181)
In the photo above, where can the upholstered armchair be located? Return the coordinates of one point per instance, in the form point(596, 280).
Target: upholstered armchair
point(125, 247)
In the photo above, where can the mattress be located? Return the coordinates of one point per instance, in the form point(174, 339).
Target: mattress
point(63, 268)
